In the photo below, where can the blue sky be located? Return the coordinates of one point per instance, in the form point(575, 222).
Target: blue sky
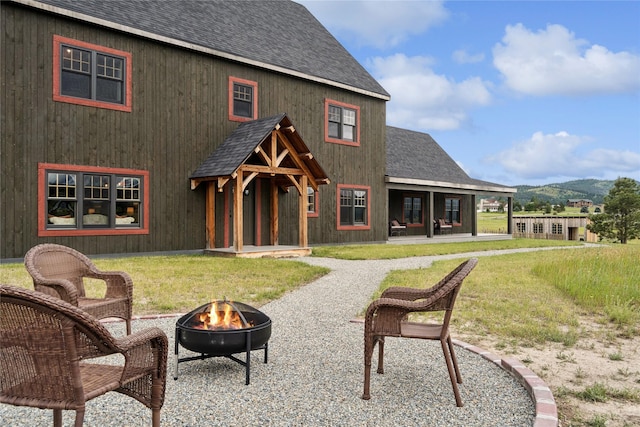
point(516, 92)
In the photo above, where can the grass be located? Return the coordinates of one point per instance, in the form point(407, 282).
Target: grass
point(177, 284)
point(386, 251)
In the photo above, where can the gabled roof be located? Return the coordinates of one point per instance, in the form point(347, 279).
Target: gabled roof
point(251, 147)
point(416, 158)
point(280, 35)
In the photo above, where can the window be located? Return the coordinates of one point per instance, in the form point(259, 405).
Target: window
point(521, 227)
point(412, 210)
point(91, 200)
point(452, 210)
point(342, 123)
point(353, 207)
point(91, 75)
point(556, 228)
point(312, 202)
point(538, 228)
point(243, 100)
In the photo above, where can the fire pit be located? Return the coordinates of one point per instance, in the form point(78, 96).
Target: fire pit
point(221, 329)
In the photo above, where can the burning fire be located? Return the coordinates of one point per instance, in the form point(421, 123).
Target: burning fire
point(220, 316)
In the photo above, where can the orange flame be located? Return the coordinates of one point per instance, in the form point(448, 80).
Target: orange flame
point(220, 317)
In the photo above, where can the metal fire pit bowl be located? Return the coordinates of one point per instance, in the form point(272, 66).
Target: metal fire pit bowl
point(223, 342)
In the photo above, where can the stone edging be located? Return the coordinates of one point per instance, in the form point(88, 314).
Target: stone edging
point(545, 404)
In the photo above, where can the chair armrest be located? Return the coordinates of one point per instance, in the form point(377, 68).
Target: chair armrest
point(61, 288)
point(144, 351)
point(119, 283)
point(385, 315)
point(407, 294)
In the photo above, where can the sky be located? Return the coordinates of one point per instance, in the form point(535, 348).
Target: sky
point(516, 92)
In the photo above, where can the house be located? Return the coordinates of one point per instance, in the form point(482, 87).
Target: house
point(579, 203)
point(155, 126)
point(489, 205)
point(426, 184)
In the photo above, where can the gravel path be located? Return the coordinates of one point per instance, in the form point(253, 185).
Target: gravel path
point(314, 375)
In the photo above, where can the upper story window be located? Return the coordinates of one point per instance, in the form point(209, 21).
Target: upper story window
point(312, 202)
point(452, 210)
point(91, 75)
point(243, 99)
point(91, 200)
point(342, 123)
point(353, 207)
point(412, 210)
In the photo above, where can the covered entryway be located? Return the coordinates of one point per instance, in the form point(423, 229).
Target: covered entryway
point(260, 159)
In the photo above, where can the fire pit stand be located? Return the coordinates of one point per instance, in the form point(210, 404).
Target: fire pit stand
point(223, 342)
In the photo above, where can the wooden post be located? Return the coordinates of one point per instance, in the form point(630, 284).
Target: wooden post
point(274, 214)
point(238, 219)
point(211, 214)
point(302, 212)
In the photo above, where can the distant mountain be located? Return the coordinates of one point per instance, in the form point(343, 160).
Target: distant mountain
point(592, 189)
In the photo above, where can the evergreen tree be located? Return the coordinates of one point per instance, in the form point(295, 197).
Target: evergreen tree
point(621, 218)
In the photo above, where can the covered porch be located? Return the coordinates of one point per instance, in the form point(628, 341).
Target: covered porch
point(244, 178)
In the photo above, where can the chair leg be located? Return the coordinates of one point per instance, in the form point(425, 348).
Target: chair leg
point(57, 418)
point(79, 418)
point(454, 359)
point(380, 355)
point(155, 417)
point(369, 343)
point(128, 326)
point(454, 384)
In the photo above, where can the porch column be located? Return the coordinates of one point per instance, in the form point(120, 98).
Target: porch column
point(430, 225)
point(211, 215)
point(237, 215)
point(510, 215)
point(302, 213)
point(273, 235)
point(474, 216)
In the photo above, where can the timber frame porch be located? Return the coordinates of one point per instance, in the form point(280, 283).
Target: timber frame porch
point(271, 149)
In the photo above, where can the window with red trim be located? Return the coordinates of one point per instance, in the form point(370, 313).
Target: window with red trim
point(74, 200)
point(243, 99)
point(353, 207)
point(342, 123)
point(91, 75)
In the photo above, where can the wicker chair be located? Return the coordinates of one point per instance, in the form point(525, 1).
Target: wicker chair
point(44, 345)
point(60, 271)
point(387, 316)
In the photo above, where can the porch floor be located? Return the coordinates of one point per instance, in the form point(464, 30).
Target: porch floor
point(250, 251)
point(446, 238)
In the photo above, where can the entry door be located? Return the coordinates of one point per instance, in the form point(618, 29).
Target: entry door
point(249, 214)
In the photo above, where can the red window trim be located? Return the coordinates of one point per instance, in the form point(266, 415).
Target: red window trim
point(254, 85)
point(414, 195)
point(316, 212)
point(42, 201)
point(353, 227)
point(57, 96)
point(327, 138)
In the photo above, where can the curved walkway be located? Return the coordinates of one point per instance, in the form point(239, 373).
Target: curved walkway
point(314, 373)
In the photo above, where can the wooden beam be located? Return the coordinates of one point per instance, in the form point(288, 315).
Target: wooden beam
point(222, 181)
point(263, 154)
point(274, 213)
point(271, 170)
point(238, 220)
point(297, 160)
point(211, 215)
point(302, 213)
point(281, 157)
point(296, 184)
point(248, 179)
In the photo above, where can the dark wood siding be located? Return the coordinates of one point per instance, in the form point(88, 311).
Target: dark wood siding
point(179, 116)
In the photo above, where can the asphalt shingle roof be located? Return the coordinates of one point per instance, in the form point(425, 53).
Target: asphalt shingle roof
point(279, 33)
point(416, 155)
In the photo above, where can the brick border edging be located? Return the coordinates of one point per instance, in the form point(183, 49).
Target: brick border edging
point(545, 404)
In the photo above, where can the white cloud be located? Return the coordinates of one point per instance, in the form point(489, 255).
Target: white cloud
point(421, 99)
point(461, 56)
point(381, 24)
point(559, 154)
point(553, 61)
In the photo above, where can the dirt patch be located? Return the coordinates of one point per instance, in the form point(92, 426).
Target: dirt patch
point(598, 363)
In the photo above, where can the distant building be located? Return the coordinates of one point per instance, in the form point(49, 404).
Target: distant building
point(552, 227)
point(578, 203)
point(491, 205)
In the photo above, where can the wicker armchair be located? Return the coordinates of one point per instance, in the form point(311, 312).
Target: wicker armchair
point(387, 316)
point(59, 271)
point(44, 345)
